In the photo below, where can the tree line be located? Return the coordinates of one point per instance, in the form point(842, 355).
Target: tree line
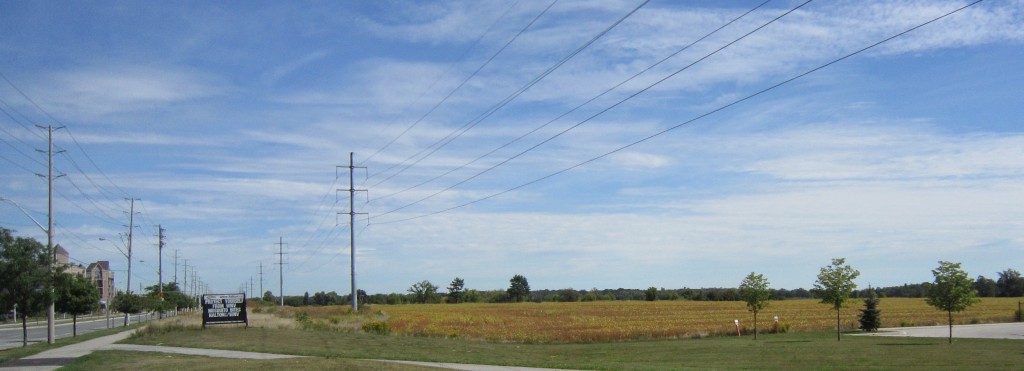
point(1009, 284)
point(31, 283)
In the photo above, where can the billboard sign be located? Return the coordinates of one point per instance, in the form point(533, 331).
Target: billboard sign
point(224, 308)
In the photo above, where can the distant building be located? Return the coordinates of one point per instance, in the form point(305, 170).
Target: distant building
point(98, 272)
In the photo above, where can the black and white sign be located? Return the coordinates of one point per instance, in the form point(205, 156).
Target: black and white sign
point(224, 308)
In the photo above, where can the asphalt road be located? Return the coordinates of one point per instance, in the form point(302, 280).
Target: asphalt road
point(10, 334)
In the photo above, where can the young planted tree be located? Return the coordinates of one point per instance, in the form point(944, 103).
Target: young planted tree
point(128, 304)
point(75, 295)
point(870, 316)
point(834, 286)
point(953, 291)
point(518, 289)
point(754, 290)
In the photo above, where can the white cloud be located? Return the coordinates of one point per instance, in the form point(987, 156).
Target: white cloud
point(97, 91)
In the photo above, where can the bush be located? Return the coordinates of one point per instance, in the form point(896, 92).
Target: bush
point(377, 327)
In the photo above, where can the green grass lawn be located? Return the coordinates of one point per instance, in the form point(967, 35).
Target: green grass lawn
point(125, 360)
point(21, 352)
point(817, 350)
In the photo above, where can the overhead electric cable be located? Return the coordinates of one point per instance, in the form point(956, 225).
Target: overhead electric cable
point(501, 104)
point(489, 60)
point(687, 122)
point(574, 109)
point(438, 79)
point(68, 130)
point(601, 112)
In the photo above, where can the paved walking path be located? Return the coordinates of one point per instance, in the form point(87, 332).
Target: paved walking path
point(57, 357)
point(1013, 330)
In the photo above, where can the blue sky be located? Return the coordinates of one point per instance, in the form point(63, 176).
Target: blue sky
point(228, 121)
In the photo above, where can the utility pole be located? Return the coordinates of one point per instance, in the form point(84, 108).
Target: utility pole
point(185, 283)
point(51, 332)
point(175, 266)
point(280, 270)
point(131, 227)
point(261, 280)
point(351, 226)
point(160, 268)
point(250, 286)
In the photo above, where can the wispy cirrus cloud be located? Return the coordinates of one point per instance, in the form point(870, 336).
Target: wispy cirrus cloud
point(97, 91)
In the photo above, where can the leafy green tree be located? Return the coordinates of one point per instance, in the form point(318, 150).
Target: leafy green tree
point(755, 292)
point(269, 297)
point(75, 295)
point(651, 294)
point(25, 276)
point(953, 291)
point(518, 289)
point(834, 285)
point(568, 295)
point(986, 287)
point(172, 297)
point(423, 292)
point(1010, 283)
point(870, 316)
point(128, 303)
point(456, 290)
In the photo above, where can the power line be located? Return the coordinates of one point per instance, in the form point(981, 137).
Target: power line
point(438, 79)
point(601, 112)
point(574, 109)
point(687, 122)
point(493, 56)
point(486, 114)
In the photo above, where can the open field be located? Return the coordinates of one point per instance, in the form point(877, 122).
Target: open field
point(632, 320)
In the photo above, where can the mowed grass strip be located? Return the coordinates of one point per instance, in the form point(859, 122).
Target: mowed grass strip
point(126, 360)
point(804, 350)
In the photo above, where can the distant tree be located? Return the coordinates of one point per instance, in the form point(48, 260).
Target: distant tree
point(423, 292)
point(472, 296)
point(455, 290)
point(986, 287)
point(25, 276)
point(518, 289)
point(870, 316)
point(651, 294)
point(953, 291)
point(568, 295)
point(360, 294)
point(305, 299)
point(269, 297)
point(834, 285)
point(320, 298)
point(128, 303)
point(75, 295)
point(755, 292)
point(1010, 283)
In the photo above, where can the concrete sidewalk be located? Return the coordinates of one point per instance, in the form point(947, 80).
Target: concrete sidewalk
point(55, 358)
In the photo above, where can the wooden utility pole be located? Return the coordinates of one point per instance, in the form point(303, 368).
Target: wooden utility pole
point(280, 270)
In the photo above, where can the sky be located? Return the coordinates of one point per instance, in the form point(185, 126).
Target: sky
point(582, 144)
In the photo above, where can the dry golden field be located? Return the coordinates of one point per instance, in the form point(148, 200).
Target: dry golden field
point(628, 320)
